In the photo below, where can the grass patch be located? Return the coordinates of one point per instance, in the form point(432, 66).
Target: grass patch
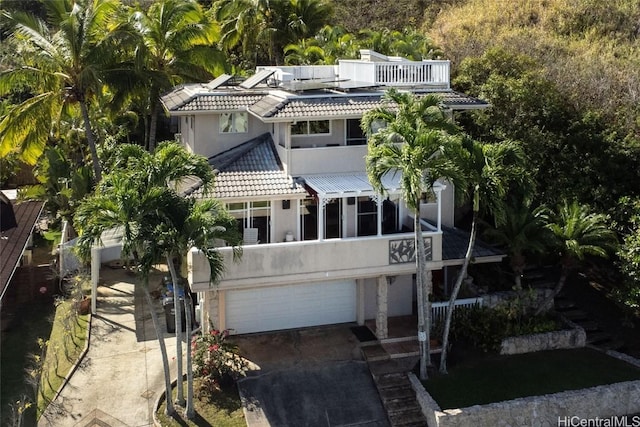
point(498, 378)
point(68, 337)
point(222, 409)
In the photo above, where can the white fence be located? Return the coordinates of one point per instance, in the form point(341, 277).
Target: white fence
point(439, 309)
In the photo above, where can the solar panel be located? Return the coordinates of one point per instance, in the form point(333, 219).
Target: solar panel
point(256, 79)
point(218, 81)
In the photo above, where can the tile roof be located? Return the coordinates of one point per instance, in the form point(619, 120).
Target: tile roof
point(456, 241)
point(198, 97)
point(252, 169)
point(13, 241)
point(272, 107)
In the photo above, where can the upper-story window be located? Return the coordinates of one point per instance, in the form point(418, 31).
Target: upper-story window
point(311, 127)
point(234, 122)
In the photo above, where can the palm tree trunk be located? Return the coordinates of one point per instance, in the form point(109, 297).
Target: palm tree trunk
point(423, 330)
point(163, 350)
point(189, 409)
point(178, 314)
point(456, 288)
point(91, 140)
point(550, 299)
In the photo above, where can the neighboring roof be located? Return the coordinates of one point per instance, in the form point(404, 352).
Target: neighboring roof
point(252, 169)
point(272, 107)
point(13, 242)
point(348, 184)
point(455, 243)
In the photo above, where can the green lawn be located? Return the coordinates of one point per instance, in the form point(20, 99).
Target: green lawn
point(497, 378)
point(223, 409)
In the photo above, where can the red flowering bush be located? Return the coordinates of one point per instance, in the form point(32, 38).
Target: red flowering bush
point(216, 361)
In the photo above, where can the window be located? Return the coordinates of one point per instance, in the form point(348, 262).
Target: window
point(234, 123)
point(253, 215)
point(355, 136)
point(367, 217)
point(311, 127)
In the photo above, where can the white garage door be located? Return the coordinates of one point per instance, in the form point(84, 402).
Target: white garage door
point(291, 306)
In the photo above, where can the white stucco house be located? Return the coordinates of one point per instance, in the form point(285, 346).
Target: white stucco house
point(320, 246)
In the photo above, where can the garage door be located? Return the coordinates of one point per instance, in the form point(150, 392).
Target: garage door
point(291, 306)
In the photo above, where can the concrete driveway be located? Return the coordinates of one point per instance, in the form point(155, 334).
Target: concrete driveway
point(308, 377)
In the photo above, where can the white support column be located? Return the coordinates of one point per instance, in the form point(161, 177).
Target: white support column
point(321, 204)
point(382, 330)
point(222, 311)
point(299, 217)
point(360, 301)
point(95, 277)
point(379, 201)
point(437, 189)
point(400, 213)
point(343, 217)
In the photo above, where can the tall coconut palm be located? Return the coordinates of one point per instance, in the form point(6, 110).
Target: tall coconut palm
point(414, 143)
point(176, 45)
point(64, 62)
point(522, 234)
point(577, 233)
point(267, 26)
point(491, 169)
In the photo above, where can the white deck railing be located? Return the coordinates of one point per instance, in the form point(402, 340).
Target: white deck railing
point(397, 73)
point(439, 309)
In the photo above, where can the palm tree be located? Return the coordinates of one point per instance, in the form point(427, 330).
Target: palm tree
point(522, 233)
point(140, 196)
point(64, 62)
point(577, 233)
point(198, 224)
point(414, 143)
point(268, 25)
point(176, 45)
point(492, 169)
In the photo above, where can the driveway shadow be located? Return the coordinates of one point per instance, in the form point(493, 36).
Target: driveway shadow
point(329, 394)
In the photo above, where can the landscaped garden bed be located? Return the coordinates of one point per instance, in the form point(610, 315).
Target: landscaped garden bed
point(536, 385)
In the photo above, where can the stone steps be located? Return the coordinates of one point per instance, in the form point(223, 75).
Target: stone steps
point(575, 315)
point(588, 325)
point(394, 388)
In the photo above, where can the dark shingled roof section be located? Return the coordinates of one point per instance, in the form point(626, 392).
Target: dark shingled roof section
point(455, 243)
point(271, 107)
point(252, 169)
point(13, 241)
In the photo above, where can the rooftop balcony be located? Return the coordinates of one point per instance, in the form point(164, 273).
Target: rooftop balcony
point(373, 69)
point(311, 260)
point(432, 73)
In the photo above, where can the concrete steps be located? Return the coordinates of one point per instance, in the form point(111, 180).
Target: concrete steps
point(390, 376)
point(596, 337)
point(399, 400)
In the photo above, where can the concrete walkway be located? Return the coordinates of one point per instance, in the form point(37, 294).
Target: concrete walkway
point(121, 376)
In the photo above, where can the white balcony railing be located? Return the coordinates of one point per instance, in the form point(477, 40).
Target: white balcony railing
point(312, 260)
point(397, 73)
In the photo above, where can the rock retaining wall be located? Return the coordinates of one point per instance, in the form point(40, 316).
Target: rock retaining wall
point(597, 402)
point(554, 340)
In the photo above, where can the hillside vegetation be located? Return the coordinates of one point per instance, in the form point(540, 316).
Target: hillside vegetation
point(587, 48)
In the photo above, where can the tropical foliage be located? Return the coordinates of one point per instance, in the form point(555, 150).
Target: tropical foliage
point(216, 361)
point(415, 141)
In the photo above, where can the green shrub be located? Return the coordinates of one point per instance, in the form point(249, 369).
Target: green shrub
point(485, 328)
point(216, 361)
